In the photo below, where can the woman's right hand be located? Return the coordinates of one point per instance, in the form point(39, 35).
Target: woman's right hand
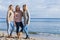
point(14, 24)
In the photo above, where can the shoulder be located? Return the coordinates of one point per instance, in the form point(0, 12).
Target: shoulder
point(9, 11)
point(26, 10)
point(15, 12)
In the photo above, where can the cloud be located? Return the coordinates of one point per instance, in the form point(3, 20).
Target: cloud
point(45, 8)
point(37, 8)
point(1, 1)
point(54, 9)
point(4, 5)
point(2, 8)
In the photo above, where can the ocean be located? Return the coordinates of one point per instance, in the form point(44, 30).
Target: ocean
point(39, 25)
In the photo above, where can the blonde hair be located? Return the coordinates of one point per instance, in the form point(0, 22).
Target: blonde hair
point(25, 6)
point(9, 8)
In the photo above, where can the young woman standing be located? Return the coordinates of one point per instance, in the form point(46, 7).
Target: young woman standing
point(18, 20)
point(26, 20)
point(10, 20)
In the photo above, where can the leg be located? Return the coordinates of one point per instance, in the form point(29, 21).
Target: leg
point(26, 31)
point(12, 25)
point(10, 29)
point(17, 28)
point(21, 25)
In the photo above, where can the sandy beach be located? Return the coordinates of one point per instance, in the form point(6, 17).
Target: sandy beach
point(3, 35)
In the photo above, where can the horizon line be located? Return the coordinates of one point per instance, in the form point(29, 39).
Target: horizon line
point(38, 18)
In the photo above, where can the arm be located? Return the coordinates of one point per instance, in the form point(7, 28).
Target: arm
point(28, 21)
point(14, 19)
point(22, 13)
point(28, 15)
point(8, 16)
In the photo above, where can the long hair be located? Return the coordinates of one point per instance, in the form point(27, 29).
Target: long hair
point(9, 8)
point(24, 6)
point(16, 8)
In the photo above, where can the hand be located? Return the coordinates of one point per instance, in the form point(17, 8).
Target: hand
point(14, 24)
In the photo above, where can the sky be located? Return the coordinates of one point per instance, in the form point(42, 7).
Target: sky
point(36, 8)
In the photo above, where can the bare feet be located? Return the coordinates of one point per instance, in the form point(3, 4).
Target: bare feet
point(19, 35)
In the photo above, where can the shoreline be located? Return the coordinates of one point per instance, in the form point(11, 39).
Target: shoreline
point(41, 36)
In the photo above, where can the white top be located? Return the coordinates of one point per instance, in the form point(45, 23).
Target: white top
point(10, 16)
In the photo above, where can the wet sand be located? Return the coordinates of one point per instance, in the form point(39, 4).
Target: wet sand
point(3, 36)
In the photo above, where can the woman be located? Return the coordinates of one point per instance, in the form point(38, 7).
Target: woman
point(18, 20)
point(26, 20)
point(10, 20)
